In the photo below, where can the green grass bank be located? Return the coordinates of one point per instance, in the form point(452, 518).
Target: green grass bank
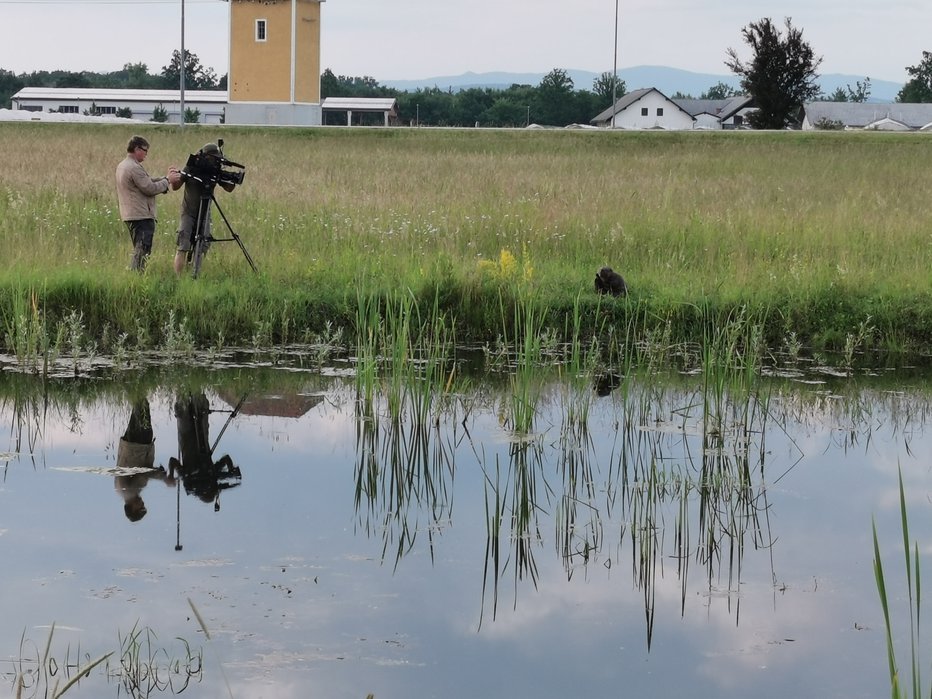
point(816, 236)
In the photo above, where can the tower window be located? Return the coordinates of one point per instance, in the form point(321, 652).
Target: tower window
point(261, 30)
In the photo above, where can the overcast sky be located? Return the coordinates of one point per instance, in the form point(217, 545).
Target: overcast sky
point(413, 39)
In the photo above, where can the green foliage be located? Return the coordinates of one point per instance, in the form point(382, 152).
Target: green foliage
point(781, 74)
point(860, 93)
point(124, 112)
point(826, 124)
point(10, 84)
point(607, 86)
point(70, 79)
point(350, 86)
point(719, 91)
point(919, 87)
point(196, 76)
point(553, 100)
point(160, 114)
point(192, 116)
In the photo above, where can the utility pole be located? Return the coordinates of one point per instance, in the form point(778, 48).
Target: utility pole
point(614, 67)
point(182, 64)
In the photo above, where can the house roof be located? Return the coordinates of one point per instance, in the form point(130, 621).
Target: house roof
point(721, 109)
point(274, 405)
point(119, 95)
point(629, 98)
point(863, 114)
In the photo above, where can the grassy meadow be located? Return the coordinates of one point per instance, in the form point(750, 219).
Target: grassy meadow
point(820, 237)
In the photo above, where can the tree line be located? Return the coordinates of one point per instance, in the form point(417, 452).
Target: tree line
point(133, 76)
point(780, 76)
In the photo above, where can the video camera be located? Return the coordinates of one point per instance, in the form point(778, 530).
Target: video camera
point(208, 169)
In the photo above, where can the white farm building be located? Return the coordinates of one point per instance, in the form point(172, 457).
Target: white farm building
point(649, 108)
point(210, 104)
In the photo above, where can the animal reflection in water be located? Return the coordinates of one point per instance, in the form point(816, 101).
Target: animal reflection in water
point(200, 474)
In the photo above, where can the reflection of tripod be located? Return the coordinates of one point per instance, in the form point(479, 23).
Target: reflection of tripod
point(195, 466)
point(202, 232)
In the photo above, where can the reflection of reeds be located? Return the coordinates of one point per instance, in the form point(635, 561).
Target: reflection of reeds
point(144, 667)
point(520, 509)
point(687, 475)
point(403, 464)
point(402, 471)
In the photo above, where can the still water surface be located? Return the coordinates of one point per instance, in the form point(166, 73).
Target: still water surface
point(632, 545)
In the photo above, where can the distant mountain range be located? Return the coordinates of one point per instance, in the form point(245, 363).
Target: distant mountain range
point(667, 80)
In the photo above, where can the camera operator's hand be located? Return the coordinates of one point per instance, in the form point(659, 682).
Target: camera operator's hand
point(175, 177)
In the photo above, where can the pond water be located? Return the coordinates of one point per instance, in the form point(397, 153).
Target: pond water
point(657, 540)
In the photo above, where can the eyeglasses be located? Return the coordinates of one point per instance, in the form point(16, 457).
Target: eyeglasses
point(144, 149)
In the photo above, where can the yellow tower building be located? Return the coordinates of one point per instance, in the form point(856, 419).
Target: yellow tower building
point(274, 62)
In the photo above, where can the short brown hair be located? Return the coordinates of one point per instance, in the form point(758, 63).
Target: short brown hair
point(136, 142)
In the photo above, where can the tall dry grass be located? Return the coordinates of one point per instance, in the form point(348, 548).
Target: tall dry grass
point(823, 229)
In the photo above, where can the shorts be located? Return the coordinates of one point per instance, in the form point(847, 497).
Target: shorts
point(185, 240)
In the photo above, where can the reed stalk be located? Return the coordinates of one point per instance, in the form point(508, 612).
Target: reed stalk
point(912, 686)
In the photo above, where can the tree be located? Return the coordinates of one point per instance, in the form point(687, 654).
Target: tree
point(69, 79)
point(861, 91)
point(781, 74)
point(329, 85)
point(10, 84)
point(196, 76)
point(470, 106)
point(192, 116)
point(351, 86)
point(426, 107)
point(719, 91)
point(553, 101)
point(506, 112)
point(159, 114)
point(919, 87)
point(607, 86)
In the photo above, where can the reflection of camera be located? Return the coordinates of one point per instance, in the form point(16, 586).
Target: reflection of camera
point(209, 169)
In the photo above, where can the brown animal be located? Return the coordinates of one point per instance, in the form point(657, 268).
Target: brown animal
point(608, 281)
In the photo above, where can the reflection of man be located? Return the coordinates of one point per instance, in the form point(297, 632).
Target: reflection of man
point(136, 461)
point(202, 476)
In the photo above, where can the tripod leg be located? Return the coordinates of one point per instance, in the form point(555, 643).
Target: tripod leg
point(198, 255)
point(201, 235)
point(236, 238)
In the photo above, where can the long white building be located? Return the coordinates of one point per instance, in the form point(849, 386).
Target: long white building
point(210, 104)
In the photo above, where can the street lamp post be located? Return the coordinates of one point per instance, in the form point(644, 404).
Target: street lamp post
point(614, 67)
point(181, 71)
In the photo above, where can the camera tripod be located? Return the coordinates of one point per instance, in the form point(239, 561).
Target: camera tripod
point(202, 232)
